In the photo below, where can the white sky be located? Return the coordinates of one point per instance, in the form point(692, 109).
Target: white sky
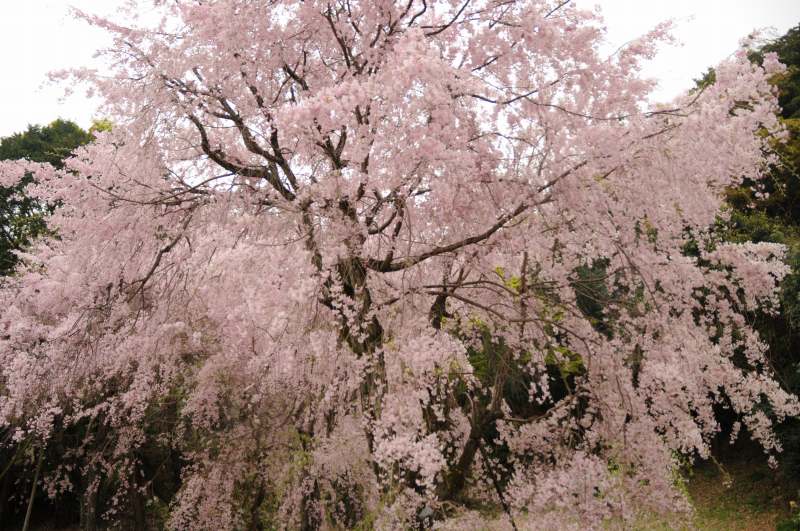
point(37, 36)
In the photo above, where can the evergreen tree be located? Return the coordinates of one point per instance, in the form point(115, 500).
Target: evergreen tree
point(769, 211)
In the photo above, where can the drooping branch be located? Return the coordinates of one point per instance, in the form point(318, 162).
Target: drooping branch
point(385, 266)
point(142, 282)
point(452, 21)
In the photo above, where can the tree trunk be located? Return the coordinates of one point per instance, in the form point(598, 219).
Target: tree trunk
point(138, 510)
point(5, 486)
point(89, 500)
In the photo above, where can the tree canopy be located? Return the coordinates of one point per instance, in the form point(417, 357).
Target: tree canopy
point(376, 263)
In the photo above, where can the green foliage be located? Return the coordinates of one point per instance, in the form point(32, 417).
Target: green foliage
point(769, 211)
point(708, 78)
point(494, 356)
point(592, 293)
point(792, 523)
point(101, 126)
point(52, 143)
point(788, 49)
point(22, 219)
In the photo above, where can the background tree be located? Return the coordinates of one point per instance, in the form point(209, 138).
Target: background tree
point(389, 261)
point(769, 211)
point(22, 218)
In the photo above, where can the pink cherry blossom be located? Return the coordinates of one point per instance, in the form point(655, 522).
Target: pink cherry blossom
point(310, 214)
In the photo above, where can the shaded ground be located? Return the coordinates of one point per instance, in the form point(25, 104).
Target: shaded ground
point(742, 494)
point(739, 493)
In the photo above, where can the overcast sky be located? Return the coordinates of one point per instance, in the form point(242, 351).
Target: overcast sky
point(37, 36)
